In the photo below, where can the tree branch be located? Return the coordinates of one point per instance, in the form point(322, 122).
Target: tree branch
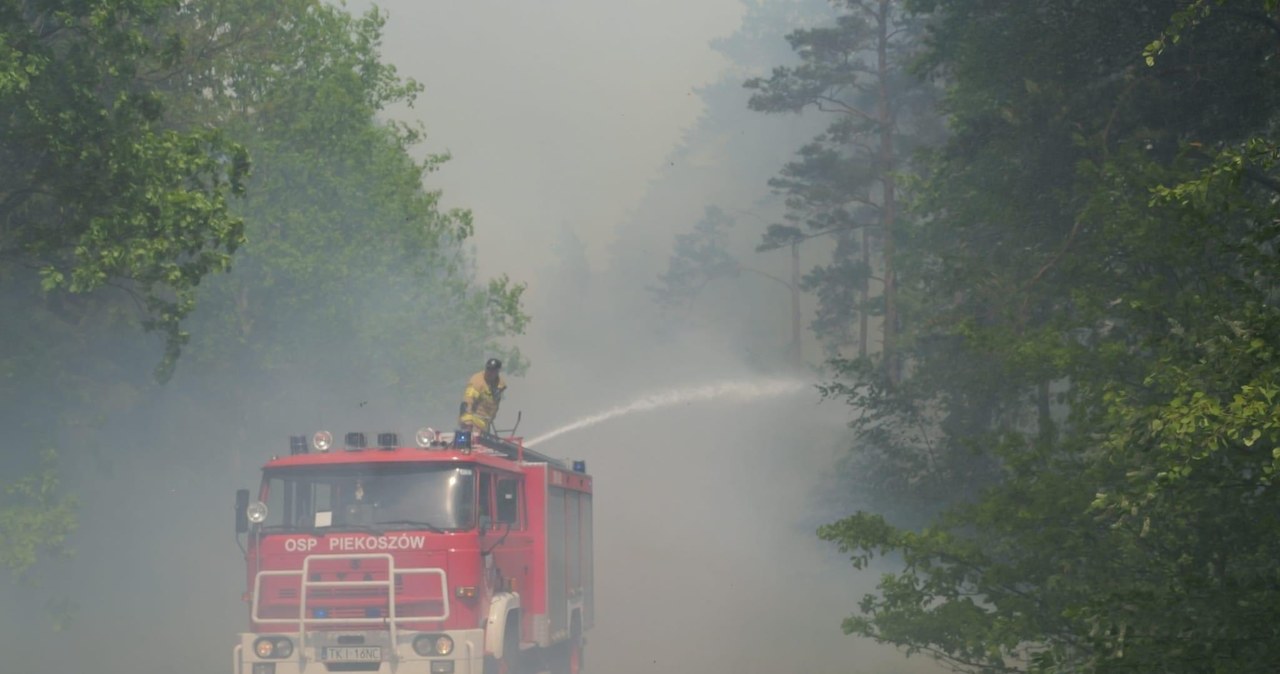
point(1256, 17)
point(841, 107)
point(1255, 174)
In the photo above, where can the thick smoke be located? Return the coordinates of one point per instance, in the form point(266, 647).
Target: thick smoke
point(710, 451)
point(711, 473)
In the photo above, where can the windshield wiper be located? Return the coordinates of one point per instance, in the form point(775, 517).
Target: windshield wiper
point(415, 523)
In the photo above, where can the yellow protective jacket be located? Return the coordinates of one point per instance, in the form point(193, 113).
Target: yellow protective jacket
point(480, 402)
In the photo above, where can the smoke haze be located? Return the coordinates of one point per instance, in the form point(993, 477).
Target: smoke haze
point(583, 137)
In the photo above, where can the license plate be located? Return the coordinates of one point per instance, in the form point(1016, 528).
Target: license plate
point(351, 653)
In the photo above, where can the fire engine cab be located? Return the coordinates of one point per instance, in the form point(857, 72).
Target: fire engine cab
point(453, 555)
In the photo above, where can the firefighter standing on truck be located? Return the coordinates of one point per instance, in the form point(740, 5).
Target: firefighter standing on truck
point(481, 398)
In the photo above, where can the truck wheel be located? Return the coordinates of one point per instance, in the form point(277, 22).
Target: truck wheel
point(567, 656)
point(504, 665)
point(509, 663)
point(575, 654)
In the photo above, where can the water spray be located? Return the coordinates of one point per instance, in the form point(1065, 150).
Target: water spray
point(734, 391)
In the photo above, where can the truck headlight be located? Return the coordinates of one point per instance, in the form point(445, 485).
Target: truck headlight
point(432, 644)
point(269, 648)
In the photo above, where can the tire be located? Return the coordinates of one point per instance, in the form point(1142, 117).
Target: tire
point(567, 657)
point(510, 661)
point(576, 662)
point(508, 664)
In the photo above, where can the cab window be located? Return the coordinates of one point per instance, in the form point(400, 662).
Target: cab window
point(508, 497)
point(440, 497)
point(485, 500)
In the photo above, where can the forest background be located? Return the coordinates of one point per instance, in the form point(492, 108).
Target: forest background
point(1046, 288)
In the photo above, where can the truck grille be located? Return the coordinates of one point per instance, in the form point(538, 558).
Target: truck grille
point(338, 596)
point(291, 591)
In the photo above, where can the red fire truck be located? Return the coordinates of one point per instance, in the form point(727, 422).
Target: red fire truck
point(454, 555)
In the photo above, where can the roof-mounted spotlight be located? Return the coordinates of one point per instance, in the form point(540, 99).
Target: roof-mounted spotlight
point(297, 444)
point(388, 440)
point(256, 512)
point(322, 441)
point(426, 437)
point(356, 441)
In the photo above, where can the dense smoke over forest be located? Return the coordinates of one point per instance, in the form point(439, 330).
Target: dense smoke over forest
point(705, 518)
point(984, 295)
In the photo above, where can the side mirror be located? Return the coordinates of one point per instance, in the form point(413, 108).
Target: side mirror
point(242, 511)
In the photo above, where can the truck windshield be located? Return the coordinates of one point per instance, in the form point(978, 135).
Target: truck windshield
point(386, 496)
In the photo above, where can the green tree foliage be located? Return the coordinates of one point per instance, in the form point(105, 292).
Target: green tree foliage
point(346, 252)
point(127, 125)
point(846, 183)
point(107, 216)
point(701, 257)
point(724, 159)
point(698, 258)
point(35, 519)
point(1099, 250)
point(94, 189)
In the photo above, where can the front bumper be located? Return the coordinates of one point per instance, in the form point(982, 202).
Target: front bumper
point(467, 656)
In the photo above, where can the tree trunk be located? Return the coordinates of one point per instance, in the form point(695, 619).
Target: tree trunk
point(796, 353)
point(888, 207)
point(864, 320)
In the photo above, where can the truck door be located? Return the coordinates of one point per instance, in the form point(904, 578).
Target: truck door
point(508, 530)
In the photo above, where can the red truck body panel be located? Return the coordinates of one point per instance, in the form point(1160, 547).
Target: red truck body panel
point(529, 536)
